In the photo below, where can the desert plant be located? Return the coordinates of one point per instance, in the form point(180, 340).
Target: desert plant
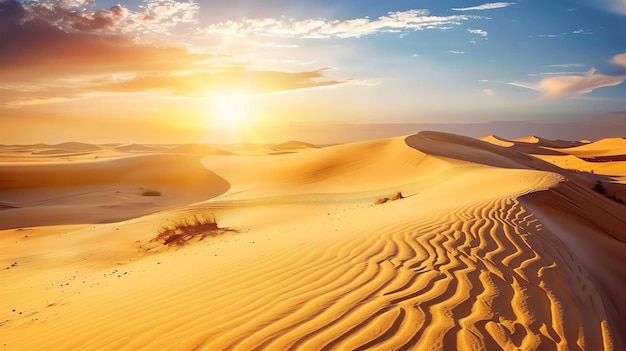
point(151, 192)
point(183, 230)
point(599, 188)
point(394, 197)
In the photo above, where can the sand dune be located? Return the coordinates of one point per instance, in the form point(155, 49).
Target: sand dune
point(558, 144)
point(294, 145)
point(493, 139)
point(140, 148)
point(102, 190)
point(199, 149)
point(604, 147)
point(606, 156)
point(488, 248)
point(75, 147)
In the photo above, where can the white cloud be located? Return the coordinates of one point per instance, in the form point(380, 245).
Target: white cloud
point(581, 31)
point(155, 16)
point(488, 6)
point(171, 12)
point(322, 28)
point(75, 3)
point(569, 86)
point(456, 52)
point(489, 92)
point(481, 32)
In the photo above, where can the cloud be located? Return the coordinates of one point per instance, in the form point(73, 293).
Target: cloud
point(456, 52)
point(155, 16)
point(236, 78)
point(617, 6)
point(488, 92)
point(572, 85)
point(567, 65)
point(53, 54)
point(322, 28)
point(620, 60)
point(581, 31)
point(560, 73)
point(480, 32)
point(488, 6)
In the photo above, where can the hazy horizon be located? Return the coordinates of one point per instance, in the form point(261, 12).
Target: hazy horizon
point(337, 133)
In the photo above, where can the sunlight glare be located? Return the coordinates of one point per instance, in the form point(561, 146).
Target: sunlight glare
point(229, 111)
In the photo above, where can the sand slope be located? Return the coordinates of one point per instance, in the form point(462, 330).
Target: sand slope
point(488, 249)
point(100, 191)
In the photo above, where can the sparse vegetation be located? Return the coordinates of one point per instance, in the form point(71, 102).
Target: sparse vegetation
point(151, 192)
point(182, 231)
point(394, 197)
point(600, 189)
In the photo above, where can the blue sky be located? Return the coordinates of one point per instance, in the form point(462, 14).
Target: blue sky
point(312, 61)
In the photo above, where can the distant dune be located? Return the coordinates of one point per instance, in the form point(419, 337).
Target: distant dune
point(141, 148)
point(75, 147)
point(199, 149)
point(431, 241)
point(294, 145)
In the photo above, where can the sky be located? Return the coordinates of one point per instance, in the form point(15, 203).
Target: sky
point(173, 71)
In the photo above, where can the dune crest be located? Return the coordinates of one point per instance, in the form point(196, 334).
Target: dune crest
point(493, 139)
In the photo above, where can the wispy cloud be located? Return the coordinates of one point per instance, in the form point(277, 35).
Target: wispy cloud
point(548, 35)
point(566, 65)
point(481, 32)
point(581, 31)
point(574, 84)
point(456, 52)
point(487, 6)
point(418, 19)
point(561, 73)
point(569, 86)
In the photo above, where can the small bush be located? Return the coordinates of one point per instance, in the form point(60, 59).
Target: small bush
point(182, 231)
point(394, 197)
point(599, 188)
point(151, 192)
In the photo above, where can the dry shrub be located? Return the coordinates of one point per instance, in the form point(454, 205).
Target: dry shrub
point(182, 231)
point(394, 197)
point(151, 192)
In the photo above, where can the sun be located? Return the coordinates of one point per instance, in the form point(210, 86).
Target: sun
point(229, 110)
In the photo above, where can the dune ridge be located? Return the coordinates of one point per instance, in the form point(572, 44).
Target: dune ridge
point(489, 248)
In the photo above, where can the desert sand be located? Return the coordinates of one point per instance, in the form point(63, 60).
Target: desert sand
point(430, 241)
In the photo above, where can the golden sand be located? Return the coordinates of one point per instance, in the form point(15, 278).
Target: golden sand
point(487, 248)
